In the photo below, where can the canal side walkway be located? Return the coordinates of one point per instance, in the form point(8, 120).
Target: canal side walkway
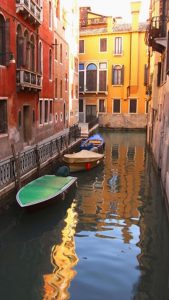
point(29, 163)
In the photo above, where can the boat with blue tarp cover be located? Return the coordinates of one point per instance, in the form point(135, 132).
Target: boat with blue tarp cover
point(93, 143)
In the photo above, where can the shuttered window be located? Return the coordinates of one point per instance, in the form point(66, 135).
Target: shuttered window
point(159, 74)
point(81, 46)
point(103, 76)
point(117, 75)
point(91, 78)
point(103, 45)
point(116, 105)
point(81, 77)
point(3, 116)
point(102, 105)
point(4, 42)
point(40, 58)
point(118, 45)
point(50, 64)
point(133, 106)
point(20, 47)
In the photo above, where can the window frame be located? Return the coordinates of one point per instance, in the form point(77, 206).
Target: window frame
point(118, 46)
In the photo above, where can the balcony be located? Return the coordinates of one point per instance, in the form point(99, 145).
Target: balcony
point(28, 81)
point(156, 33)
point(30, 10)
point(99, 90)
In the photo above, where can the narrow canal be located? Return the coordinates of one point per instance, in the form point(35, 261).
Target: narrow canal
point(109, 240)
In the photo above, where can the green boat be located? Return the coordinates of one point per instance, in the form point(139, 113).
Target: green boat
point(44, 189)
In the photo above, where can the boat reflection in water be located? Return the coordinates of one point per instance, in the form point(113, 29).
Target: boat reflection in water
point(63, 259)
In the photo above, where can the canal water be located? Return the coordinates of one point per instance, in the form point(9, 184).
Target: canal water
point(109, 238)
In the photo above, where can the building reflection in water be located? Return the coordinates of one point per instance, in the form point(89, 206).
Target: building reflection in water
point(63, 259)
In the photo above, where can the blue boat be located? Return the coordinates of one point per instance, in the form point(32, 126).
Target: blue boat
point(93, 143)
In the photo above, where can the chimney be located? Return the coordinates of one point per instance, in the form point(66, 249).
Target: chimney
point(135, 11)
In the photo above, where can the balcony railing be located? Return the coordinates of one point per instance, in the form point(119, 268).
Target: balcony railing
point(156, 33)
point(28, 80)
point(93, 21)
point(31, 10)
point(99, 90)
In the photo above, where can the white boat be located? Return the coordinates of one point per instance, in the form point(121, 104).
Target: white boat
point(83, 160)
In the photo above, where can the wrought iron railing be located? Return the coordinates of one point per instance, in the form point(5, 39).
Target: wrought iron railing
point(36, 156)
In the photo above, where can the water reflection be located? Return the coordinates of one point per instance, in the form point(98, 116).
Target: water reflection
point(111, 242)
point(63, 259)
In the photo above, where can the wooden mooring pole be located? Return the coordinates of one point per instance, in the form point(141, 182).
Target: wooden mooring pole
point(16, 170)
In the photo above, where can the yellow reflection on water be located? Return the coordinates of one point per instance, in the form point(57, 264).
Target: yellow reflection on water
point(63, 259)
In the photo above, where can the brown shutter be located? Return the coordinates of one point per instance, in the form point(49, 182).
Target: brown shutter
point(112, 75)
point(102, 80)
point(81, 81)
point(122, 74)
point(103, 45)
point(7, 42)
point(145, 74)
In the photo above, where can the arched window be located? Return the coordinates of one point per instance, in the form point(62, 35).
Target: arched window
point(26, 60)
point(2, 40)
point(91, 77)
point(40, 58)
point(118, 75)
point(50, 64)
point(19, 46)
point(32, 53)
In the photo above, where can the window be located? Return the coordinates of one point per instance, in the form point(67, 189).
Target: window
point(56, 117)
point(118, 75)
point(56, 49)
point(50, 14)
point(3, 117)
point(26, 50)
point(80, 105)
point(81, 46)
point(32, 53)
point(56, 88)
point(118, 45)
point(91, 77)
point(103, 45)
point(76, 91)
point(61, 89)
point(66, 81)
point(133, 106)
point(103, 76)
point(19, 46)
point(19, 119)
point(81, 77)
point(146, 107)
point(58, 9)
point(46, 111)
point(61, 116)
point(101, 105)
point(40, 58)
point(60, 53)
point(50, 110)
point(40, 112)
point(50, 64)
point(4, 41)
point(116, 105)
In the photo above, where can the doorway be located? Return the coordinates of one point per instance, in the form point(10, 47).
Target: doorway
point(91, 113)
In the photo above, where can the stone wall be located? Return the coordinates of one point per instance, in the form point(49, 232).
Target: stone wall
point(123, 121)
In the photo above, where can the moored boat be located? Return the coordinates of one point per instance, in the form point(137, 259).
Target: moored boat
point(44, 189)
point(83, 160)
point(93, 143)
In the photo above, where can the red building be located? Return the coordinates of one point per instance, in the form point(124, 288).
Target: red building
point(33, 82)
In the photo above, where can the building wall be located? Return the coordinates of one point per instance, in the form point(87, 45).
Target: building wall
point(134, 57)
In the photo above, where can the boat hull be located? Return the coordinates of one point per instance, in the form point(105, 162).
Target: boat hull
point(44, 189)
point(93, 143)
point(84, 166)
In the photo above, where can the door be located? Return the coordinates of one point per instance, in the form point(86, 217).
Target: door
point(90, 113)
point(27, 124)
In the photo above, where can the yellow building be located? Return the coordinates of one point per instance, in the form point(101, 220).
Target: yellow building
point(113, 61)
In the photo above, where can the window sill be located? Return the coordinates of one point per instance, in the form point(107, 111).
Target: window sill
point(3, 135)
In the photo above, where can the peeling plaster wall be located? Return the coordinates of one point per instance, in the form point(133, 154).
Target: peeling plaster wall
point(127, 121)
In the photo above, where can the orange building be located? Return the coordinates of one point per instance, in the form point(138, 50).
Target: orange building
point(113, 61)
